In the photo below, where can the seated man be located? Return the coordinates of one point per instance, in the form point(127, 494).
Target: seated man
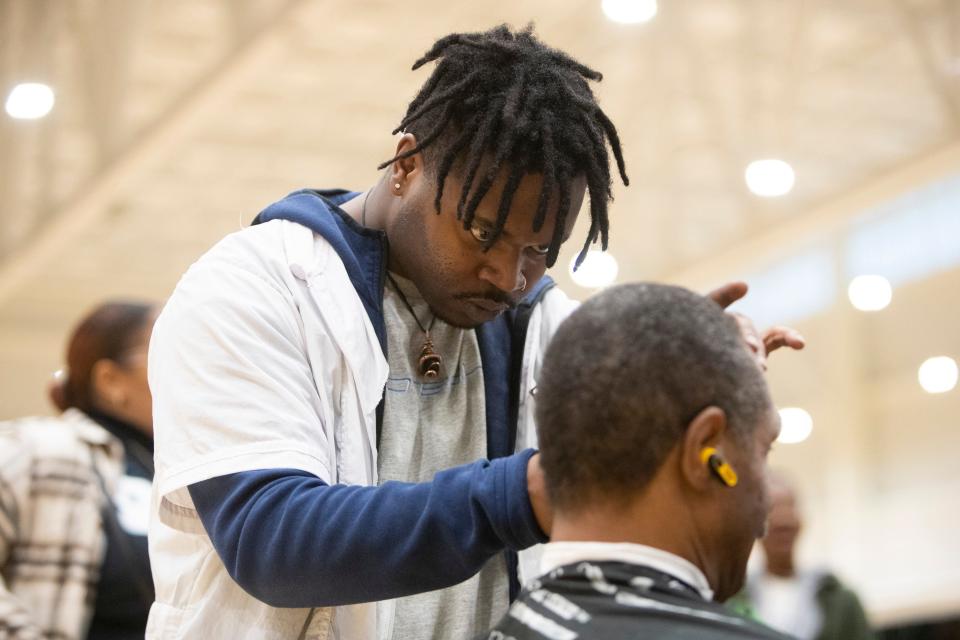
point(654, 425)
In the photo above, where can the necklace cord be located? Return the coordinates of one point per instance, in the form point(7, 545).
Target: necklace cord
point(409, 306)
point(363, 208)
point(429, 361)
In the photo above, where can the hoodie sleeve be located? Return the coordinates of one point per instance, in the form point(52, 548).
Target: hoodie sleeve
point(291, 540)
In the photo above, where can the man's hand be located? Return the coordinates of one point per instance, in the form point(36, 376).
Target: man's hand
point(728, 293)
point(760, 345)
point(537, 489)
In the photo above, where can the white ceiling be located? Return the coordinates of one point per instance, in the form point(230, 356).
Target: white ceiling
point(187, 117)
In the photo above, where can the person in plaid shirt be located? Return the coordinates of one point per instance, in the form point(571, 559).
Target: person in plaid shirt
point(74, 491)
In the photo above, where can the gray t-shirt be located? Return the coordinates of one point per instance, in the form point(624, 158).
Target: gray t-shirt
point(428, 427)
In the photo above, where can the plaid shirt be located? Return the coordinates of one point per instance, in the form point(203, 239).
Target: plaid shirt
point(52, 539)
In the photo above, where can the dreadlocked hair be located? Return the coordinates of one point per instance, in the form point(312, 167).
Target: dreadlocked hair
point(504, 96)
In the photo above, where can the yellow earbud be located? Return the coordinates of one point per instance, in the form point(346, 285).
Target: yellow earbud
point(719, 466)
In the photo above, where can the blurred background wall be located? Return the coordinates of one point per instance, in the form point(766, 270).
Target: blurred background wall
point(175, 121)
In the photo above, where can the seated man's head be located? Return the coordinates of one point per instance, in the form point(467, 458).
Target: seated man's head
point(636, 386)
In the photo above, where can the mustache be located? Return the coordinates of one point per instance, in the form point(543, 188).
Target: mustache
point(499, 297)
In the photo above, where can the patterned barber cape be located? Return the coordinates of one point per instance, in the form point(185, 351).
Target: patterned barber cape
point(616, 600)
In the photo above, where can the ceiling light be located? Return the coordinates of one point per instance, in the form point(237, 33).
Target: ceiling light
point(630, 11)
point(598, 270)
point(938, 375)
point(870, 293)
point(769, 178)
point(29, 101)
point(795, 425)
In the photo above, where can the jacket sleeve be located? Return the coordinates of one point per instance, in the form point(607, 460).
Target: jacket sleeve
point(291, 540)
point(17, 621)
point(852, 619)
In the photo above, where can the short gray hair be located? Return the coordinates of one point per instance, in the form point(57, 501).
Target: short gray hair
point(625, 375)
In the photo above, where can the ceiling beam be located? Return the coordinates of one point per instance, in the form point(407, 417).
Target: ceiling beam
point(705, 84)
point(829, 217)
point(107, 33)
point(935, 70)
point(26, 29)
point(202, 100)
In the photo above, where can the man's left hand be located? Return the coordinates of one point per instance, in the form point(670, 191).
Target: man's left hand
point(760, 345)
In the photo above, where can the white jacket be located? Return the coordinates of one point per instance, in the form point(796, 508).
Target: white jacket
point(264, 357)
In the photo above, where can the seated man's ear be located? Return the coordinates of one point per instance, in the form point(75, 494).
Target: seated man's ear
point(702, 462)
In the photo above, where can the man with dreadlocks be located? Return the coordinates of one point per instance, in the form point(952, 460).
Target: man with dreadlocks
point(343, 390)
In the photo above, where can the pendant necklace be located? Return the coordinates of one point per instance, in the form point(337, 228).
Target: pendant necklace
point(429, 361)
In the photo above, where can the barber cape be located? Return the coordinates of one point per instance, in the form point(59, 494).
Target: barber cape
point(615, 601)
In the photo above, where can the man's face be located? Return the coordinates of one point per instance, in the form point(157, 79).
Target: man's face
point(783, 524)
point(463, 284)
point(128, 380)
point(747, 504)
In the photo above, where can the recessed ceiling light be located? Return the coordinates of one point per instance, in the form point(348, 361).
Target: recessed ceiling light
point(770, 177)
point(29, 101)
point(630, 11)
point(795, 425)
point(870, 293)
point(598, 269)
point(938, 375)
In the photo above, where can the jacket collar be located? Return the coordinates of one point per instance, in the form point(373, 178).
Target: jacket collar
point(363, 251)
